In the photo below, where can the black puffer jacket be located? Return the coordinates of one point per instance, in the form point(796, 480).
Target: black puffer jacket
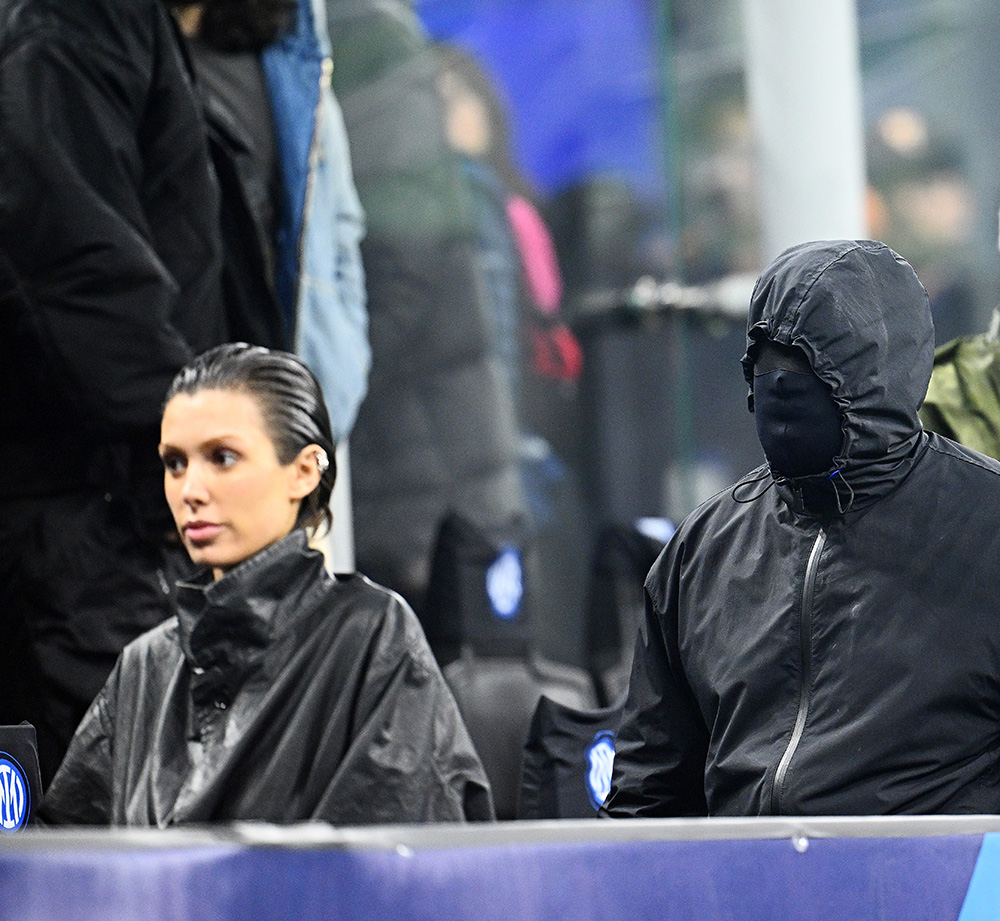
point(841, 662)
point(110, 249)
point(437, 432)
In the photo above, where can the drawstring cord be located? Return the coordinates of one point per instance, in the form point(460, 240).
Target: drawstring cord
point(835, 479)
point(751, 481)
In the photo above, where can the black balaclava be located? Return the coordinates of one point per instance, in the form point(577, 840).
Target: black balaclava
point(798, 422)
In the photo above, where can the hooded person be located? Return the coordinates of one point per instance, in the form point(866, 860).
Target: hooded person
point(823, 638)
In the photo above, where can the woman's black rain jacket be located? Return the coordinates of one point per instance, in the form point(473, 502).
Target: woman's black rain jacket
point(280, 694)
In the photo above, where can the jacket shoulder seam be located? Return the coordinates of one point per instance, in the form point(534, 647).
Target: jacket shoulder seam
point(963, 458)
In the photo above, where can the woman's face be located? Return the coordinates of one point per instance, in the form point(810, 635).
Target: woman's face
point(228, 493)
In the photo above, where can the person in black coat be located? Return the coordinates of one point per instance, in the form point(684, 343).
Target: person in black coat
point(824, 638)
point(110, 281)
point(437, 432)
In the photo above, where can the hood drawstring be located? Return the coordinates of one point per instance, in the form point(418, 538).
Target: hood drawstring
point(749, 482)
point(835, 478)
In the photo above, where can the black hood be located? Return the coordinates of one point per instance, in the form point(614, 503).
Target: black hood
point(860, 314)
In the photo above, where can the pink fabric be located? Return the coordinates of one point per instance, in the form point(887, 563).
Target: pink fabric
point(556, 353)
point(538, 254)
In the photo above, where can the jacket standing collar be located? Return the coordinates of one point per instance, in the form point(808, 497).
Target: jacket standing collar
point(225, 626)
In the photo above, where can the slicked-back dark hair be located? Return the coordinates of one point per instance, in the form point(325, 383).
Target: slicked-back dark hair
point(290, 401)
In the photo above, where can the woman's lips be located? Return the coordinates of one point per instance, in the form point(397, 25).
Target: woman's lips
point(200, 532)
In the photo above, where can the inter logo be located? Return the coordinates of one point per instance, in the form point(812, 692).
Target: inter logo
point(600, 760)
point(15, 800)
point(505, 583)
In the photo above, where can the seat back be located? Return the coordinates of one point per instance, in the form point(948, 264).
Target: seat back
point(497, 696)
point(566, 772)
point(623, 555)
point(478, 621)
point(477, 595)
point(20, 776)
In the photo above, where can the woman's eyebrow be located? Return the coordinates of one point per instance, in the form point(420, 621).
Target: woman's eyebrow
point(221, 441)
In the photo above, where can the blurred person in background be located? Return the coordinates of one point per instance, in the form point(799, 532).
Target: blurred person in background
point(523, 285)
point(515, 248)
point(292, 222)
point(920, 203)
point(963, 397)
point(437, 432)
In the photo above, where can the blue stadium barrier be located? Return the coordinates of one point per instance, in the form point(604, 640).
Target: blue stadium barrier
point(940, 868)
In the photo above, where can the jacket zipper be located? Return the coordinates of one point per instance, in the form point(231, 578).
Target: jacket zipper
point(805, 677)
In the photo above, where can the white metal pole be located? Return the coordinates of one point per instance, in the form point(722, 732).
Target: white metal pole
point(339, 545)
point(804, 89)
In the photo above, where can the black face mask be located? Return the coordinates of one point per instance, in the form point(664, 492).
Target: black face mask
point(798, 423)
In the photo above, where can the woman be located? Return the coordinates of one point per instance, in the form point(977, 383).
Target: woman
point(277, 692)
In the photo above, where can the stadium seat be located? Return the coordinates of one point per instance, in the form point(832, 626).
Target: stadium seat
point(478, 621)
point(566, 773)
point(623, 555)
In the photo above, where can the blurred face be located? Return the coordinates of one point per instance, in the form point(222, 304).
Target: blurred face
point(188, 16)
point(229, 495)
point(466, 121)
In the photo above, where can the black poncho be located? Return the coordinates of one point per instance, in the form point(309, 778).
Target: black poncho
point(279, 694)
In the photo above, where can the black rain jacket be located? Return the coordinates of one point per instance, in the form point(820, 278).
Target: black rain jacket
point(278, 694)
point(845, 661)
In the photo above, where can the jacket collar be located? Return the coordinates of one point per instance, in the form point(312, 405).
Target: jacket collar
point(225, 626)
point(836, 493)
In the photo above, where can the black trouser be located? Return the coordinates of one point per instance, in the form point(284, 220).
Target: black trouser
point(76, 584)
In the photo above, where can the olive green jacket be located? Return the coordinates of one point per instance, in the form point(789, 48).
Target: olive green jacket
point(963, 398)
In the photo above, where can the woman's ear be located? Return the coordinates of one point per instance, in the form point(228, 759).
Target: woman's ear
point(307, 470)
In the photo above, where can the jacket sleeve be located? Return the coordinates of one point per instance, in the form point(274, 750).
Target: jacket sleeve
point(83, 112)
point(80, 793)
point(662, 742)
point(410, 759)
point(319, 270)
